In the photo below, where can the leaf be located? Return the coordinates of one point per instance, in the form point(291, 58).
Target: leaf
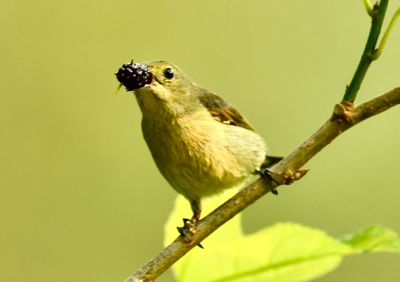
point(374, 239)
point(280, 253)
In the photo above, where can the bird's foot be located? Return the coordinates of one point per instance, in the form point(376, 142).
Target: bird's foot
point(279, 179)
point(267, 174)
point(189, 229)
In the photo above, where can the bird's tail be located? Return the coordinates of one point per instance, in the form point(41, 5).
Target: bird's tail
point(270, 161)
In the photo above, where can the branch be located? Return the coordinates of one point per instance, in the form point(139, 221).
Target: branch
point(345, 116)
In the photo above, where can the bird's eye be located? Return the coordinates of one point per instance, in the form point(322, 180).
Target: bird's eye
point(168, 73)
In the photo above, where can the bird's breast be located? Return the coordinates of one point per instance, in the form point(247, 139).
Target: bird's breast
point(200, 156)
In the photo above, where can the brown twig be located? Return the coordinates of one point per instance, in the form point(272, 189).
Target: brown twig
point(345, 116)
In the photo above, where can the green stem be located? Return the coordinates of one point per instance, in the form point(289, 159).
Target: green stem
point(368, 56)
point(368, 7)
point(388, 30)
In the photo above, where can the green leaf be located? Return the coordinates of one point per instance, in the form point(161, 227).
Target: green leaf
point(373, 239)
point(282, 252)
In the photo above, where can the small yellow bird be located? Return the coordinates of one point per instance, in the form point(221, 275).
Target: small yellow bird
point(199, 142)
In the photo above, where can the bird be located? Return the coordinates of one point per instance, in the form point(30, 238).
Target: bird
point(200, 143)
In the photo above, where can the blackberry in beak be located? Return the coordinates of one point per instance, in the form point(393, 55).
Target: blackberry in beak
point(134, 76)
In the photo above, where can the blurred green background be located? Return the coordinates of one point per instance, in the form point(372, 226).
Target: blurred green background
point(81, 199)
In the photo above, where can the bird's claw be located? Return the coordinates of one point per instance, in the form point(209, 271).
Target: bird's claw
point(270, 176)
point(188, 230)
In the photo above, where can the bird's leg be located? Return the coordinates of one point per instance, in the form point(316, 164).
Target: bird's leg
point(267, 174)
point(196, 208)
point(188, 228)
point(189, 224)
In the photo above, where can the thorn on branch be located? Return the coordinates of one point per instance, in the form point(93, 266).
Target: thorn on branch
point(282, 177)
point(292, 177)
point(288, 177)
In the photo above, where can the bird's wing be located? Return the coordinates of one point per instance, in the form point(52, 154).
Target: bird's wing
point(222, 111)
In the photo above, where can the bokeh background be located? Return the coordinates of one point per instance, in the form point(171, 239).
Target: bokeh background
point(81, 199)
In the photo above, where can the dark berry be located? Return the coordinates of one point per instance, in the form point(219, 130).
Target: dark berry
point(134, 76)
